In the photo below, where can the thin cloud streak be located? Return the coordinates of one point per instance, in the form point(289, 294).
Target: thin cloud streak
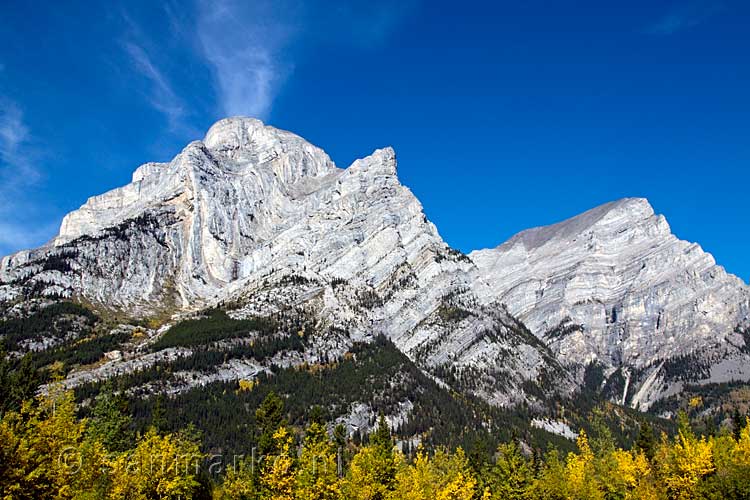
point(244, 42)
point(17, 158)
point(18, 173)
point(14, 236)
point(163, 97)
point(150, 60)
point(13, 133)
point(248, 44)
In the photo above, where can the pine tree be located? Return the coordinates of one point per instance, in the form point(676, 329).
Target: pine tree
point(19, 384)
point(512, 475)
point(738, 422)
point(381, 438)
point(268, 418)
point(159, 415)
point(5, 381)
point(646, 441)
point(316, 415)
point(339, 436)
point(110, 424)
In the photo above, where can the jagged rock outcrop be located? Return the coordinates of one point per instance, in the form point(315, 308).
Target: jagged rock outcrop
point(615, 286)
point(260, 221)
point(259, 218)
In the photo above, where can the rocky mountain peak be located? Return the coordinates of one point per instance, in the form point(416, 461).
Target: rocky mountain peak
point(380, 162)
point(614, 286)
point(603, 221)
point(261, 219)
point(248, 199)
point(249, 142)
point(235, 132)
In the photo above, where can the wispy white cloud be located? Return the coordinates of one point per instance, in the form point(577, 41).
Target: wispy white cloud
point(18, 173)
point(244, 43)
point(251, 47)
point(17, 160)
point(249, 44)
point(162, 97)
point(20, 235)
point(13, 133)
point(139, 49)
point(685, 16)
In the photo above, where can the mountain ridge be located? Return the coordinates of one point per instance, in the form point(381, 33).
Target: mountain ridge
point(257, 217)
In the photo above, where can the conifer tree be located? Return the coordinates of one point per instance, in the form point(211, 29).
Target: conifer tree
point(512, 475)
point(110, 424)
point(17, 384)
point(646, 441)
point(159, 415)
point(738, 423)
point(268, 418)
point(317, 472)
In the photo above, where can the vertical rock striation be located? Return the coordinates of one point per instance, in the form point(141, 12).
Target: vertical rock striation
point(258, 218)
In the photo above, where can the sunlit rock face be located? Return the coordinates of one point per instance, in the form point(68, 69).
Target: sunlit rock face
point(615, 286)
point(249, 210)
point(259, 219)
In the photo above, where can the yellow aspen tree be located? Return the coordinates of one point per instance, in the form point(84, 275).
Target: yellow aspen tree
point(741, 456)
point(689, 460)
point(445, 476)
point(740, 463)
point(362, 481)
point(277, 476)
point(454, 476)
point(580, 471)
point(42, 453)
point(552, 482)
point(372, 472)
point(415, 481)
point(239, 484)
point(159, 467)
point(462, 487)
point(317, 470)
point(631, 477)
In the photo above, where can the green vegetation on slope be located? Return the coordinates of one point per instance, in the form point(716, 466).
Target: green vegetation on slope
point(213, 325)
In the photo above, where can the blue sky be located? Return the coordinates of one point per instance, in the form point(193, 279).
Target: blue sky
point(504, 115)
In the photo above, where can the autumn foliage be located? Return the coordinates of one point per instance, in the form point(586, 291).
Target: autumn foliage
point(46, 451)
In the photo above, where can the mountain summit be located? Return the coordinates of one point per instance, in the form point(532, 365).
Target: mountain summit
point(614, 286)
point(259, 222)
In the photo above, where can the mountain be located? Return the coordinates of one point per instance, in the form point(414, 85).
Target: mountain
point(614, 286)
point(251, 252)
point(260, 220)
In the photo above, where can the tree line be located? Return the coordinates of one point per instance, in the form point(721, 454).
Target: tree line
point(47, 451)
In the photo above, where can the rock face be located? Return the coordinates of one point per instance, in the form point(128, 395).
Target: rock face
point(615, 286)
point(261, 221)
point(259, 218)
